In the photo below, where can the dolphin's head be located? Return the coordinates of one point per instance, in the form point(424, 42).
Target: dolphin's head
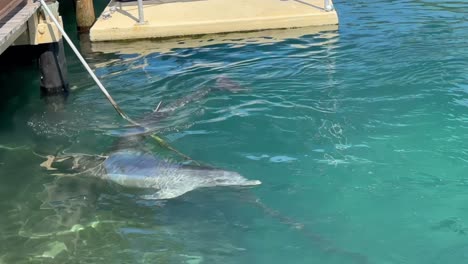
point(229, 178)
point(184, 180)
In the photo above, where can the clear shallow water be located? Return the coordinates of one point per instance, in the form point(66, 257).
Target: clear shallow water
point(358, 135)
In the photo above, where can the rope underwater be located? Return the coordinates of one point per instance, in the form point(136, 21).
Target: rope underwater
point(90, 71)
point(101, 86)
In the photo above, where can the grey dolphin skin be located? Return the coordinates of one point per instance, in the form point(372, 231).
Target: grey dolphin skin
point(130, 165)
point(142, 170)
point(133, 167)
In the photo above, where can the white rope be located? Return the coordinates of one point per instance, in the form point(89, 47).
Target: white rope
point(95, 78)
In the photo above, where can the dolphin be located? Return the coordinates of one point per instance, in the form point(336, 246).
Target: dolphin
point(130, 164)
point(133, 168)
point(148, 124)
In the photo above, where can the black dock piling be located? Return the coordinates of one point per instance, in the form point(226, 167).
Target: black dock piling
point(53, 68)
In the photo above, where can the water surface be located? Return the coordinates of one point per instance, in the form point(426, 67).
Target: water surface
point(359, 136)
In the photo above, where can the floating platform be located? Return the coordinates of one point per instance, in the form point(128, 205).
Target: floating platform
point(173, 18)
point(143, 47)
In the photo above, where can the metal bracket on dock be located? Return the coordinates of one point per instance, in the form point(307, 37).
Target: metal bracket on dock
point(41, 29)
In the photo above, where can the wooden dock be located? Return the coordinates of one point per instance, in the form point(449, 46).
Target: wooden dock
point(173, 18)
point(21, 24)
point(6, 6)
point(14, 16)
point(25, 23)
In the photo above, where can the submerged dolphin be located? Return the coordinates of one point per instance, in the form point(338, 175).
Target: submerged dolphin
point(149, 122)
point(132, 166)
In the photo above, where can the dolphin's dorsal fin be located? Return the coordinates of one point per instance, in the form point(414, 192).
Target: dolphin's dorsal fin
point(157, 107)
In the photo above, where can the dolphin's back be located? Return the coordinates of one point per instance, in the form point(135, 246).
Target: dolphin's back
point(131, 168)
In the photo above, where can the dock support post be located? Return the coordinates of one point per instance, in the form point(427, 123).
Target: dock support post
point(85, 16)
point(52, 64)
point(53, 68)
point(141, 15)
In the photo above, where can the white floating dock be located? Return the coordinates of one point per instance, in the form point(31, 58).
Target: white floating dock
point(147, 46)
point(171, 18)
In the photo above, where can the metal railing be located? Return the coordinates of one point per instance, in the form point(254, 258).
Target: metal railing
point(141, 15)
point(328, 6)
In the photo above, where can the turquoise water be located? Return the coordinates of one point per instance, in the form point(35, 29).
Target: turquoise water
point(359, 136)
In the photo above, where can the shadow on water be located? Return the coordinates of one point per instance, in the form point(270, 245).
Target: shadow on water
point(19, 82)
point(453, 254)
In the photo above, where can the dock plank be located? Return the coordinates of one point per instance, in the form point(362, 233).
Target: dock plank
point(12, 28)
point(8, 7)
